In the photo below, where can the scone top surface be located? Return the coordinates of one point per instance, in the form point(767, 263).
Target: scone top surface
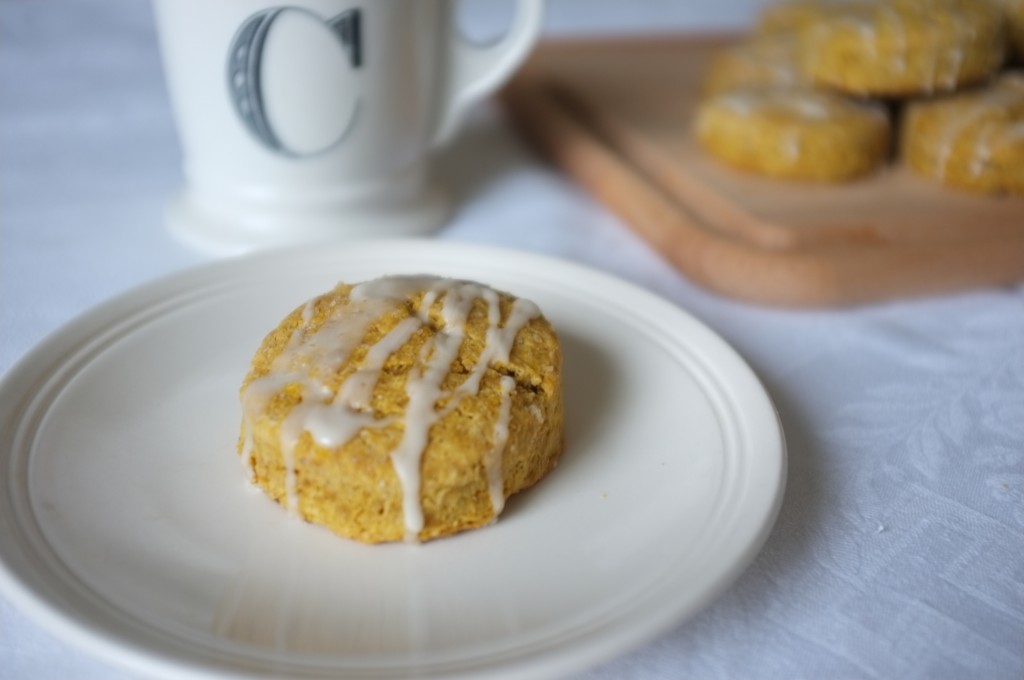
point(898, 48)
point(794, 133)
point(404, 407)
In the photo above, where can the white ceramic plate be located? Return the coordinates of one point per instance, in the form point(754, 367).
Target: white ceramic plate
point(126, 525)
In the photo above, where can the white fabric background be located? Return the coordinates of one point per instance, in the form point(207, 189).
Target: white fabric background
point(899, 552)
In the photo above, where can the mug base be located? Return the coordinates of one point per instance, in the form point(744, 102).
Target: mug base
point(224, 235)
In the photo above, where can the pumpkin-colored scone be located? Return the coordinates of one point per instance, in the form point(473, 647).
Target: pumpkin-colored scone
point(796, 133)
point(972, 139)
point(404, 408)
point(900, 48)
point(759, 61)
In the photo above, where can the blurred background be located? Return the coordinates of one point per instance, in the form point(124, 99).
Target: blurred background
point(897, 553)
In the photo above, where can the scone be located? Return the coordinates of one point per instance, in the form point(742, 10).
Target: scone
point(900, 48)
point(973, 139)
point(795, 133)
point(759, 61)
point(404, 407)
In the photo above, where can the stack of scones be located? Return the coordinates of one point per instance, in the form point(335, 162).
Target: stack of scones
point(832, 91)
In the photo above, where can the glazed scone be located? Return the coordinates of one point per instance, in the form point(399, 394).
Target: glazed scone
point(973, 140)
point(900, 48)
point(404, 408)
point(759, 61)
point(796, 133)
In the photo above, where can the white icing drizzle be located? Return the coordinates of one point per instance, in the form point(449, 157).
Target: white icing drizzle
point(493, 457)
point(982, 150)
point(802, 103)
point(424, 391)
point(944, 66)
point(810, 108)
point(358, 388)
point(1001, 95)
point(333, 418)
point(954, 64)
point(791, 144)
point(785, 74)
point(900, 59)
point(247, 447)
point(806, 107)
point(308, 310)
point(950, 135)
point(777, 58)
point(522, 312)
point(861, 23)
point(395, 288)
point(944, 149)
point(332, 425)
point(743, 103)
point(306, 354)
point(498, 342)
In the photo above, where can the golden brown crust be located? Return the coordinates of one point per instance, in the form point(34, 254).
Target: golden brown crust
point(900, 48)
point(972, 140)
point(353, 489)
point(795, 133)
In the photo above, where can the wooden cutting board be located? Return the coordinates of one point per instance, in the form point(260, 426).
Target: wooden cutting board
point(615, 115)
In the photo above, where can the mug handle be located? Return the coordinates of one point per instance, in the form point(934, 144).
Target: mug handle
point(475, 71)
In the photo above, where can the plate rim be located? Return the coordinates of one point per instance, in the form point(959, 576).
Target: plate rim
point(50, 355)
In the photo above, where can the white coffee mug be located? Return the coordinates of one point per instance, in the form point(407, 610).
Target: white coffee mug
point(305, 120)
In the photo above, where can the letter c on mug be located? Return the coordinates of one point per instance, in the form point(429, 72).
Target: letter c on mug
point(276, 78)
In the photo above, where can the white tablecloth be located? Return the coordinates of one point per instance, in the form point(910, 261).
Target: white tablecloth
point(899, 551)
